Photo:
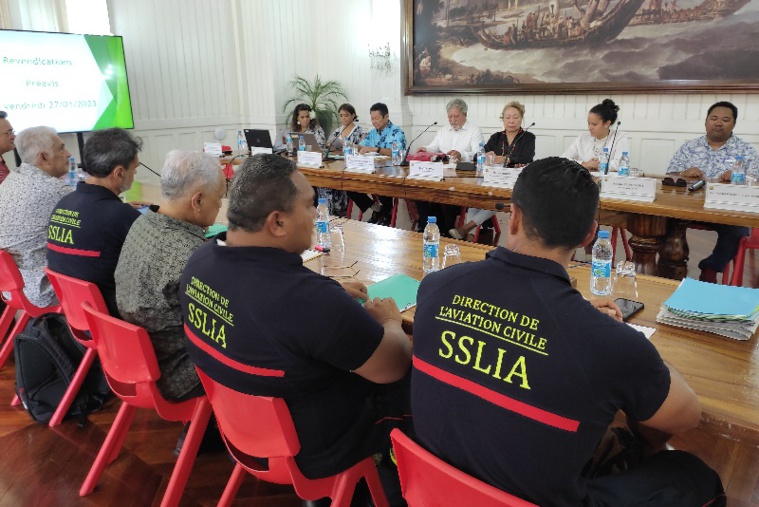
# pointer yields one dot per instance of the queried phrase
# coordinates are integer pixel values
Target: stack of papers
(719, 309)
(400, 287)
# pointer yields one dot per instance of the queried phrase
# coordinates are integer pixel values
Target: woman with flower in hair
(304, 121)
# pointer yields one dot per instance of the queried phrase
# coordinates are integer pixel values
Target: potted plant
(320, 95)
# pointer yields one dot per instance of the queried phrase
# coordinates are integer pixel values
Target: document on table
(401, 288)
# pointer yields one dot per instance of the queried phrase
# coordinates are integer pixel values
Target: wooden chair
(12, 282)
(131, 368)
(261, 427)
(426, 480)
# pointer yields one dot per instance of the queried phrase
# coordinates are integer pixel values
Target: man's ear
(515, 222)
(275, 224)
(591, 235)
(196, 201)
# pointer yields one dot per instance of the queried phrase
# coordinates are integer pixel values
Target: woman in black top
(513, 147)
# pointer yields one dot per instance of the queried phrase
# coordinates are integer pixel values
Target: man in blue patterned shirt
(706, 157)
(379, 140)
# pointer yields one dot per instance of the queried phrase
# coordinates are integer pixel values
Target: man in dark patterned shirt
(153, 256)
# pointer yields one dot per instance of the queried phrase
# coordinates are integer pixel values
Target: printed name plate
(432, 171)
(499, 176)
(255, 150)
(359, 164)
(213, 149)
(732, 197)
(310, 158)
(628, 188)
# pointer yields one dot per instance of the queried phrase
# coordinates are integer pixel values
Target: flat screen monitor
(73, 83)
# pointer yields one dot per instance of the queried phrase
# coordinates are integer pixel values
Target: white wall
(195, 65)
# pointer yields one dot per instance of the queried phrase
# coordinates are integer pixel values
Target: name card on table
(433, 171)
(359, 164)
(255, 150)
(732, 197)
(498, 176)
(310, 158)
(213, 149)
(628, 189)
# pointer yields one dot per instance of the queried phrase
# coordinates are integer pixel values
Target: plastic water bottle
(480, 158)
(624, 165)
(347, 148)
(73, 178)
(290, 151)
(738, 176)
(431, 252)
(301, 143)
(603, 162)
(242, 144)
(323, 238)
(600, 271)
(395, 154)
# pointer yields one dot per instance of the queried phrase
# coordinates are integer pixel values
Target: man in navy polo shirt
(516, 377)
(88, 227)
(260, 322)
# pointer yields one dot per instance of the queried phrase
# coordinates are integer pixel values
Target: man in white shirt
(460, 140)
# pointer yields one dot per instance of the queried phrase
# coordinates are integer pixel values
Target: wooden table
(724, 373)
(657, 228)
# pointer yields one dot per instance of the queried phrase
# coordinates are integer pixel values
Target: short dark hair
(263, 184)
(351, 110)
(726, 104)
(607, 110)
(379, 106)
(3, 115)
(312, 123)
(559, 201)
(109, 148)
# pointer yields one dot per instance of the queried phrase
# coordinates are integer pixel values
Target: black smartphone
(628, 307)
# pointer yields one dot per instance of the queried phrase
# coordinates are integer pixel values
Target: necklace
(597, 149)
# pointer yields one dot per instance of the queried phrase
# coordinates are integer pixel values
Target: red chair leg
(375, 487)
(614, 238)
(73, 389)
(342, 492)
(5, 321)
(394, 216)
(15, 401)
(626, 245)
(738, 264)
(5, 352)
(120, 426)
(462, 217)
(233, 486)
(186, 458)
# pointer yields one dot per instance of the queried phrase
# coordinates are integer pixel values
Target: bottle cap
(606, 149)
(739, 157)
(603, 234)
(431, 220)
(624, 153)
(322, 200)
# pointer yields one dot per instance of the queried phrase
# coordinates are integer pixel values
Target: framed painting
(580, 46)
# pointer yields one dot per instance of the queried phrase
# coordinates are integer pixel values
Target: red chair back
(256, 425)
(127, 356)
(11, 281)
(72, 292)
(428, 480)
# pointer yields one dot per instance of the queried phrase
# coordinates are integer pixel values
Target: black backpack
(47, 356)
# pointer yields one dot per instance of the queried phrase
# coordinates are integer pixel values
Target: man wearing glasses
(707, 157)
(7, 143)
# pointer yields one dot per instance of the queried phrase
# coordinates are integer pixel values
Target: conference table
(657, 228)
(723, 372)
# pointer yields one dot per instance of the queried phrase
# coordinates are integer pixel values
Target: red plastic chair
(72, 292)
(131, 368)
(262, 427)
(12, 282)
(427, 480)
(616, 232)
(747, 243)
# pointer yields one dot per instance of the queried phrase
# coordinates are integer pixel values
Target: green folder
(402, 288)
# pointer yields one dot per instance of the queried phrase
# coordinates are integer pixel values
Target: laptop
(258, 138)
(310, 141)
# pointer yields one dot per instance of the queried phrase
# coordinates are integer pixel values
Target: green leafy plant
(320, 95)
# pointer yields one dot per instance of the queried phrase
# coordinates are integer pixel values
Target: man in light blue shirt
(706, 157)
(379, 140)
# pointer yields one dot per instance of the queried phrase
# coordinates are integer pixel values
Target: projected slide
(73, 83)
